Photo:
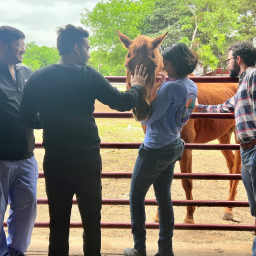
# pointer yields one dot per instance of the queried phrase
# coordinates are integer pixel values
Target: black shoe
(133, 252)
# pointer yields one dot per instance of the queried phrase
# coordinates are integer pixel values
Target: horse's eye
(155, 67)
(128, 55)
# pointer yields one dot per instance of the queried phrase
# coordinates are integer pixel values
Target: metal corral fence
(197, 176)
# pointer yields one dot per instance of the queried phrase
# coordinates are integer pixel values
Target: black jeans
(65, 177)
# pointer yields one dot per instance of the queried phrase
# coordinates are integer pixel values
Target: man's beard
(234, 72)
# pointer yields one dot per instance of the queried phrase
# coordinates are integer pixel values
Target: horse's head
(143, 50)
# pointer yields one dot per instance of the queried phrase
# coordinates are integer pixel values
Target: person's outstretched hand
(139, 76)
(196, 104)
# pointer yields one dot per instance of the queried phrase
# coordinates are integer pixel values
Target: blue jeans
(154, 166)
(18, 187)
(249, 179)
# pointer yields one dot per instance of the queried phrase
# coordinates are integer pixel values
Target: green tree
(247, 19)
(167, 15)
(206, 26)
(103, 22)
(215, 26)
(38, 57)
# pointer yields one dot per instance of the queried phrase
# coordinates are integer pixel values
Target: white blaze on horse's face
(143, 50)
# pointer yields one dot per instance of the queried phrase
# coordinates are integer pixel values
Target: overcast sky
(38, 19)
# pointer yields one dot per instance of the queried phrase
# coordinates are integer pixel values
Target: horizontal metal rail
(178, 226)
(197, 146)
(195, 115)
(199, 203)
(194, 176)
(196, 79)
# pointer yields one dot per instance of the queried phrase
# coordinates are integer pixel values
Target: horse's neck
(157, 84)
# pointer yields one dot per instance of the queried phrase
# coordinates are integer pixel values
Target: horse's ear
(124, 39)
(158, 40)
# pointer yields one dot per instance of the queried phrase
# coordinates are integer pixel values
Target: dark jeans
(249, 179)
(154, 166)
(65, 177)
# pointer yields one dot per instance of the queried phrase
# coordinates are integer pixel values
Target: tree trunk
(204, 70)
(194, 36)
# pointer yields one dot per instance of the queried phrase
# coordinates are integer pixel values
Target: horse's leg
(188, 134)
(233, 163)
(186, 167)
(156, 218)
(234, 183)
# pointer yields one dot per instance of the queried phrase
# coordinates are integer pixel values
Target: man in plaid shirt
(241, 62)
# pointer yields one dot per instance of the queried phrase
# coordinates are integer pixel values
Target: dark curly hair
(182, 58)
(9, 34)
(68, 36)
(246, 51)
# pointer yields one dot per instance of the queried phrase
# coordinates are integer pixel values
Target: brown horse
(144, 50)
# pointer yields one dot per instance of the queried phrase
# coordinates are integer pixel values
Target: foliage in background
(247, 19)
(206, 26)
(38, 57)
(168, 15)
(103, 21)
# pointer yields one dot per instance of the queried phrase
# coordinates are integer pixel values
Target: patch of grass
(120, 130)
(113, 130)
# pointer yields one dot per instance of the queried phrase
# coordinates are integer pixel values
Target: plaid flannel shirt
(243, 104)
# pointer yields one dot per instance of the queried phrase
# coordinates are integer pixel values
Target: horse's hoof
(229, 216)
(156, 219)
(189, 221)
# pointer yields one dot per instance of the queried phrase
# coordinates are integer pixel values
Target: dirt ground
(114, 241)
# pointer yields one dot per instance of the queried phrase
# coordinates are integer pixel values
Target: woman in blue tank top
(162, 147)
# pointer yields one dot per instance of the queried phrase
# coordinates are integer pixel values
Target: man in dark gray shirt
(64, 94)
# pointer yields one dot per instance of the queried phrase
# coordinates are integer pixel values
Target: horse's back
(213, 93)
(206, 130)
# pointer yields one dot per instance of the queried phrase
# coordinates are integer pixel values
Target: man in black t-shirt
(64, 94)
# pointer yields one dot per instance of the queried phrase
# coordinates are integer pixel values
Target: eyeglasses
(22, 46)
(228, 60)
